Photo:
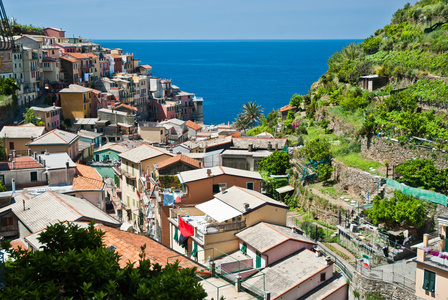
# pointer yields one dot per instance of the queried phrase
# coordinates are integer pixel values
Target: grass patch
(331, 191)
(355, 161)
(355, 119)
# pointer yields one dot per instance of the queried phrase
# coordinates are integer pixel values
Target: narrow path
(333, 201)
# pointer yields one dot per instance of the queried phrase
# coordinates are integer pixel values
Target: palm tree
(252, 113)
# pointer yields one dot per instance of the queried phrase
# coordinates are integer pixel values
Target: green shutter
(446, 245)
(176, 234)
(258, 260)
(432, 282)
(429, 281)
(194, 253)
(244, 248)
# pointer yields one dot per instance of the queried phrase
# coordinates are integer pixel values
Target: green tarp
(418, 193)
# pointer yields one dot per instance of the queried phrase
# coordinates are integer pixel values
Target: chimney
(13, 153)
(54, 104)
(13, 185)
(250, 147)
(246, 206)
(425, 240)
(10, 157)
(209, 172)
(13, 164)
(29, 152)
(328, 260)
(317, 252)
(24, 207)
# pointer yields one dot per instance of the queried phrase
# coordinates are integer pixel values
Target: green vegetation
(30, 116)
(8, 86)
(423, 173)
(354, 160)
(400, 210)
(18, 29)
(275, 164)
(75, 264)
(250, 116)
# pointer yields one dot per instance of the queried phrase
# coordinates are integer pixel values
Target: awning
(218, 210)
(284, 189)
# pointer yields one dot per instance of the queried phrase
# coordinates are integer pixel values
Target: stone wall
(380, 149)
(364, 285)
(362, 182)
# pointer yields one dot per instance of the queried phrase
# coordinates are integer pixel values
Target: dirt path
(337, 202)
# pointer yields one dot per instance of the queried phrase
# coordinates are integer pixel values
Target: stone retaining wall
(361, 182)
(380, 149)
(364, 285)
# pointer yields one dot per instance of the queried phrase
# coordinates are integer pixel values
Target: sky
(207, 19)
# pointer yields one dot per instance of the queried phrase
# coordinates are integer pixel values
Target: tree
(8, 86)
(251, 114)
(296, 100)
(75, 264)
(316, 150)
(30, 116)
(276, 163)
(400, 210)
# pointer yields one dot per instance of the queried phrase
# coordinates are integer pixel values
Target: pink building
(54, 32)
(49, 115)
(104, 67)
(68, 47)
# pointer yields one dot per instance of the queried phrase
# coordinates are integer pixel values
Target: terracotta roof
(15, 244)
(87, 179)
(96, 91)
(172, 160)
(69, 59)
(146, 66)
(127, 106)
(22, 162)
(193, 125)
(81, 55)
(287, 107)
(128, 247)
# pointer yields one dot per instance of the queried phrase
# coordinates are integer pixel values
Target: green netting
(418, 193)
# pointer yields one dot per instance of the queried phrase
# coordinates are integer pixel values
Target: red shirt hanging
(185, 229)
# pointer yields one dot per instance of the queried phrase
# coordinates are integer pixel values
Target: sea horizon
(229, 73)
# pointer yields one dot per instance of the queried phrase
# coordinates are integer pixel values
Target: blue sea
(228, 74)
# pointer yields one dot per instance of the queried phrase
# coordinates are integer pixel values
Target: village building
(15, 138)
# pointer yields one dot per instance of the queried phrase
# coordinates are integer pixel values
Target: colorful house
(56, 141)
(50, 115)
(76, 102)
(15, 138)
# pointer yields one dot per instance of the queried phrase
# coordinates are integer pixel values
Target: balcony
(129, 175)
(117, 168)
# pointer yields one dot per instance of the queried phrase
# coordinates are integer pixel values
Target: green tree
(8, 86)
(316, 150)
(30, 116)
(75, 264)
(400, 210)
(277, 163)
(251, 114)
(296, 100)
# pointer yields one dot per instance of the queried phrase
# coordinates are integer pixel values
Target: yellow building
(215, 222)
(76, 102)
(134, 163)
(431, 275)
(16, 137)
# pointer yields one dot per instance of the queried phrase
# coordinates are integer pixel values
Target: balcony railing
(216, 228)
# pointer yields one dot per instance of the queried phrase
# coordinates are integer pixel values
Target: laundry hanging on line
(185, 228)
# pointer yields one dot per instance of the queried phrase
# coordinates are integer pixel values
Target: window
(250, 186)
(258, 260)
(33, 176)
(127, 202)
(429, 281)
(215, 188)
(322, 276)
(11, 145)
(7, 221)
